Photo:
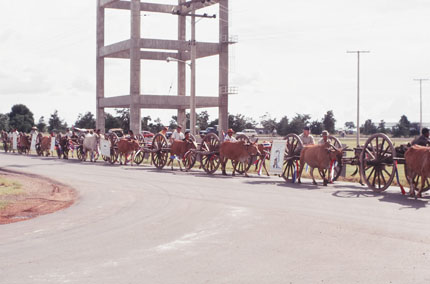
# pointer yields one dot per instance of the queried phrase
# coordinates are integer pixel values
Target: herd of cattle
(321, 157)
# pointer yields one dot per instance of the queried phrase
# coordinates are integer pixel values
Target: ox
(321, 157)
(178, 149)
(240, 151)
(417, 159)
(126, 147)
(62, 146)
(90, 144)
(43, 144)
(4, 137)
(264, 150)
(24, 143)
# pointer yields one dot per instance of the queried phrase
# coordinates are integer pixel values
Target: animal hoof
(314, 183)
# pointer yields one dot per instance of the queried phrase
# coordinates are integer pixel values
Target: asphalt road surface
(141, 225)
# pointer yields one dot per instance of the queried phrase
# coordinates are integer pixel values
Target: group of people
(308, 139)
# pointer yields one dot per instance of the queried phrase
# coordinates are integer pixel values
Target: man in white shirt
(324, 138)
(177, 134)
(306, 137)
(229, 136)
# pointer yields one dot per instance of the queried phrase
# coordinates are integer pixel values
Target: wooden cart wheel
(377, 162)
(210, 159)
(240, 167)
(291, 157)
(338, 168)
(417, 181)
(138, 158)
(161, 152)
(189, 159)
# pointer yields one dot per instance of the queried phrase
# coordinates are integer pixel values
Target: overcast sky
(291, 57)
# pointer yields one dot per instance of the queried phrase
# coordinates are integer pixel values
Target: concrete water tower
(182, 51)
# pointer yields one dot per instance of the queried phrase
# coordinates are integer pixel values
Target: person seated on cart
(306, 137)
(164, 130)
(131, 135)
(422, 140)
(177, 134)
(324, 138)
(229, 136)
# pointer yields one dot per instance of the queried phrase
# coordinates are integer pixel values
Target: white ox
(90, 144)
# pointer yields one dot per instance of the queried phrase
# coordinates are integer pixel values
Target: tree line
(21, 118)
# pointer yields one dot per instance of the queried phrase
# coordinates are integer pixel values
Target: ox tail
(397, 177)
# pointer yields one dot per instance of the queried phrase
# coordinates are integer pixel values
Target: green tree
(56, 123)
(349, 125)
(21, 118)
(283, 126)
(123, 115)
(402, 128)
(4, 122)
(86, 121)
(268, 122)
(316, 127)
(145, 122)
(298, 123)
(156, 126)
(41, 125)
(329, 122)
(213, 123)
(369, 127)
(112, 122)
(381, 127)
(203, 120)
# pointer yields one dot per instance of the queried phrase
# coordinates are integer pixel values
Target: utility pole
(193, 73)
(358, 90)
(421, 102)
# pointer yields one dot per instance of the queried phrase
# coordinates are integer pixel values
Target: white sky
(291, 57)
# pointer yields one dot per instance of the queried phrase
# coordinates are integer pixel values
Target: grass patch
(8, 187)
(3, 204)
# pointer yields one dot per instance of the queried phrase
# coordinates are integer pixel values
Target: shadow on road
(405, 201)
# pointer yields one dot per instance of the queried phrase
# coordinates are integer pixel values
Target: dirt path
(32, 196)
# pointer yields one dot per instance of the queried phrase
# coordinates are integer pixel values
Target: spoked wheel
(161, 152)
(210, 159)
(189, 159)
(240, 167)
(377, 162)
(417, 182)
(338, 167)
(138, 157)
(291, 156)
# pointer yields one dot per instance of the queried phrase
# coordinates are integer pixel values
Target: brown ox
(264, 150)
(126, 147)
(320, 157)
(6, 141)
(24, 143)
(44, 142)
(417, 159)
(240, 151)
(178, 150)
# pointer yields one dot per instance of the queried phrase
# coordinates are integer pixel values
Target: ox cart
(206, 152)
(376, 161)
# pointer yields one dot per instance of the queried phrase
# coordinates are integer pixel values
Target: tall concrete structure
(181, 50)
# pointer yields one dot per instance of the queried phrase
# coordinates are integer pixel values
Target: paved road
(140, 225)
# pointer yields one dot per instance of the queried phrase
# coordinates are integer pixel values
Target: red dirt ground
(40, 196)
